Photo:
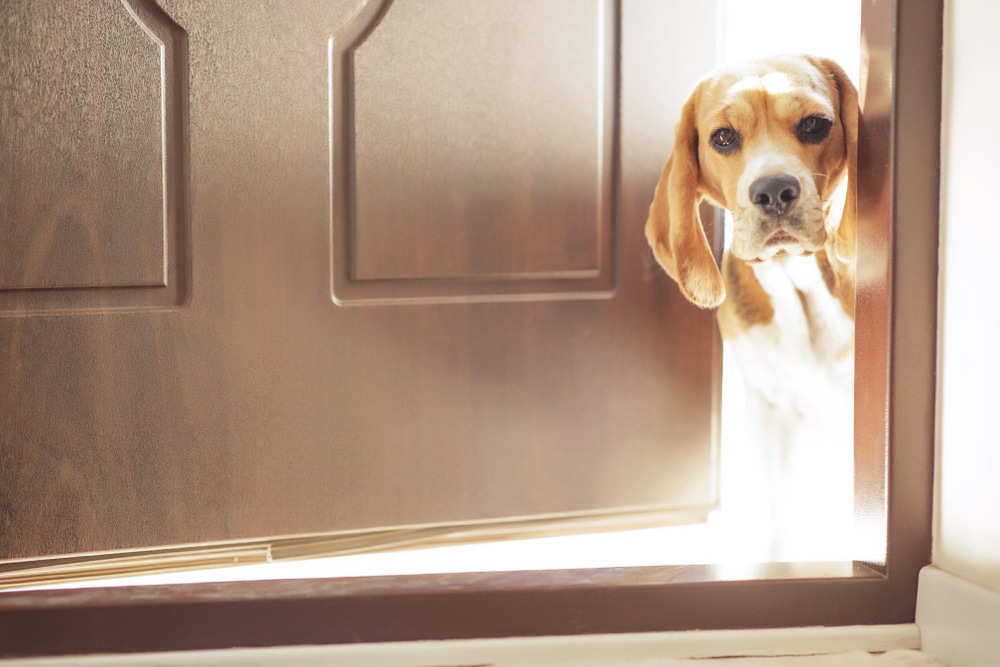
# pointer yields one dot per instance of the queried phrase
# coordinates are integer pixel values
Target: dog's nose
(774, 195)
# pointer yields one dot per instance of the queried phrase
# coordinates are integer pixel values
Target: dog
(774, 142)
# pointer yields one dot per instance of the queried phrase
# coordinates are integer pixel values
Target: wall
(967, 530)
(958, 603)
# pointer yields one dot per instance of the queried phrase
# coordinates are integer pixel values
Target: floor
(850, 659)
(895, 658)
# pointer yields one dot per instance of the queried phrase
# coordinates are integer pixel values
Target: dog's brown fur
(764, 101)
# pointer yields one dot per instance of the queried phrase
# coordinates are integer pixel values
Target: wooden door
(285, 269)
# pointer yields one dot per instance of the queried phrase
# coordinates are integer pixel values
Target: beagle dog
(774, 142)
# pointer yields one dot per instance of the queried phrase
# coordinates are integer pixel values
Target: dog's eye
(813, 129)
(726, 140)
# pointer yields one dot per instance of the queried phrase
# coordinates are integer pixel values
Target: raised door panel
(91, 182)
(485, 165)
(260, 407)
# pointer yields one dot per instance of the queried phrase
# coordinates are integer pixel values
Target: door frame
(894, 434)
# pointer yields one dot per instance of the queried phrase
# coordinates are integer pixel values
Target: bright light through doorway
(733, 536)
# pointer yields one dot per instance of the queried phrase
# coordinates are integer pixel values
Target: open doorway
(734, 535)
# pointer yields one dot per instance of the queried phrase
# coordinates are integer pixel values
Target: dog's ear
(845, 239)
(674, 229)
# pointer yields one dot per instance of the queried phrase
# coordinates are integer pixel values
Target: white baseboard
(536, 650)
(959, 621)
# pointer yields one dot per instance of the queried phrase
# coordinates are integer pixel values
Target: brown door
(284, 269)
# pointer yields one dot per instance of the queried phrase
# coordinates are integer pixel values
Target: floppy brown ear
(674, 229)
(845, 239)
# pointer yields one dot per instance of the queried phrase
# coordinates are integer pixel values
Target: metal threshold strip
(32, 573)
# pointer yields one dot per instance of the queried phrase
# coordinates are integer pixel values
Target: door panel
(482, 169)
(470, 192)
(92, 170)
(479, 158)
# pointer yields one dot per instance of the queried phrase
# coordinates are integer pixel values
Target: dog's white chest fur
(798, 371)
(808, 343)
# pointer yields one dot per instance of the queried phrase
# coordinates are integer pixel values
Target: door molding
(894, 435)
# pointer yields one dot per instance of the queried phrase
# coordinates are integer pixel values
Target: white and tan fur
(774, 142)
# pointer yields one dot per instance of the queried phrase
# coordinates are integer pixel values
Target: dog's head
(771, 141)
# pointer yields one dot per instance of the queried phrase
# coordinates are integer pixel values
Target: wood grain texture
(82, 177)
(443, 165)
(92, 184)
(494, 136)
(260, 408)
